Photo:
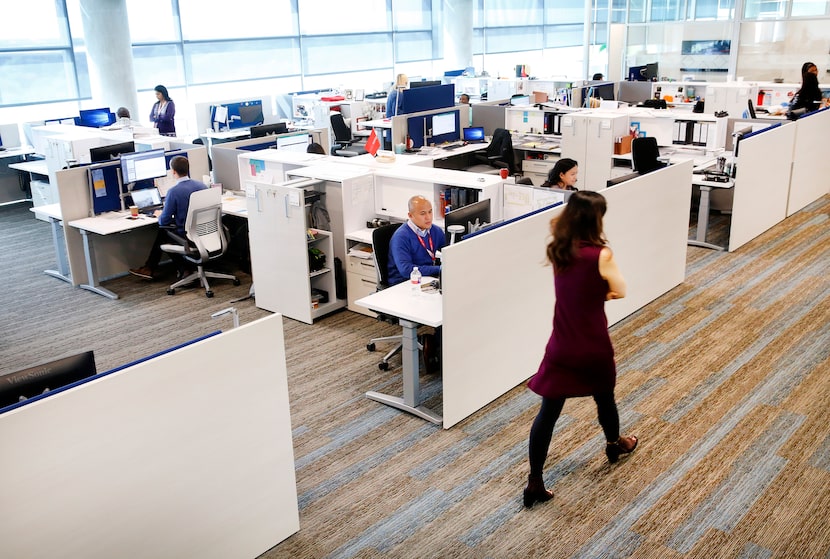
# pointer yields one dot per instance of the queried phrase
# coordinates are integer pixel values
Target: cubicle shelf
(319, 272)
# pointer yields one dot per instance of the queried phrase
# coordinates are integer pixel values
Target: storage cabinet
(361, 274)
(281, 239)
(589, 139)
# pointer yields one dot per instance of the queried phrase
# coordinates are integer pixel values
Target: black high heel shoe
(535, 491)
(623, 445)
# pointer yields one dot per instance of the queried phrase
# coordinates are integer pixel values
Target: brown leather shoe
(144, 272)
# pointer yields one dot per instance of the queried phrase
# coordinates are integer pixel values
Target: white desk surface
(235, 205)
(17, 152)
(377, 123)
(330, 170)
(398, 300)
(379, 162)
(48, 210)
(438, 152)
(699, 181)
(362, 235)
(227, 134)
(281, 156)
(37, 167)
(112, 222)
(441, 176)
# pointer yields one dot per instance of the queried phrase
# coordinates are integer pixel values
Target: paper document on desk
(361, 250)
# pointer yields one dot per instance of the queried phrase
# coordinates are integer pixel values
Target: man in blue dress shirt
(415, 243)
(176, 204)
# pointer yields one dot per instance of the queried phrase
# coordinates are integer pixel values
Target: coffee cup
(134, 211)
(503, 173)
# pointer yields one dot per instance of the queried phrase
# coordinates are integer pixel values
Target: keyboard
(452, 146)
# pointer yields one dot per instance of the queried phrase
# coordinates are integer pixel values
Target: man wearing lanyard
(415, 243)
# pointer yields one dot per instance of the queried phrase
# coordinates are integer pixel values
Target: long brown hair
(580, 222)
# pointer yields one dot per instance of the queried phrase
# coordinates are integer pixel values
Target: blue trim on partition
(762, 130)
(509, 221)
(257, 147)
(105, 373)
(811, 113)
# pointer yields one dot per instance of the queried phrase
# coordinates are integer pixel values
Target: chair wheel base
(236, 282)
(370, 347)
(171, 291)
(383, 366)
(209, 294)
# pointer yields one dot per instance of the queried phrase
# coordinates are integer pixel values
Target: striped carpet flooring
(724, 379)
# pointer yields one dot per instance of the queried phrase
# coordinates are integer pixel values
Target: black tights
(542, 430)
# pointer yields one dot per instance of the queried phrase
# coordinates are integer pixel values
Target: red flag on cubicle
(373, 144)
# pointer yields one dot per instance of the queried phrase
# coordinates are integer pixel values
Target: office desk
(110, 223)
(21, 151)
(113, 223)
(703, 210)
(411, 310)
(52, 212)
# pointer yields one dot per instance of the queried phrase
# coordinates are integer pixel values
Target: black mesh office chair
(343, 141)
(645, 154)
(498, 155)
(380, 252)
(751, 109)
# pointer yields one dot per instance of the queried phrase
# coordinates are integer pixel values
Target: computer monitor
(602, 90)
(518, 100)
(96, 118)
(34, 381)
(445, 127)
(472, 217)
(112, 151)
(268, 129)
(474, 134)
(250, 114)
(425, 83)
(294, 142)
(143, 165)
(644, 73)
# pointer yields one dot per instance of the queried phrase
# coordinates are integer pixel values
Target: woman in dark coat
(579, 357)
(164, 112)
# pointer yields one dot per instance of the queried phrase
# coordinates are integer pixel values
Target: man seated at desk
(415, 243)
(172, 217)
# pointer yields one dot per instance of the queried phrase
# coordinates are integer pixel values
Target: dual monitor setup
(118, 172)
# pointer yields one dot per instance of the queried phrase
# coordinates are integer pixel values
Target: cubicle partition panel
(137, 460)
(811, 167)
(762, 183)
(490, 115)
(498, 289)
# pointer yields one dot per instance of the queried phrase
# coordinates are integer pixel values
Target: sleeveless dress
(579, 357)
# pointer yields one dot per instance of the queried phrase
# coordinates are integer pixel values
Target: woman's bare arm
(611, 273)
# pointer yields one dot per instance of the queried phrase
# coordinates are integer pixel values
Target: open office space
(234, 426)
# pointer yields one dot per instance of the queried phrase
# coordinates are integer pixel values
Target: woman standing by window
(164, 112)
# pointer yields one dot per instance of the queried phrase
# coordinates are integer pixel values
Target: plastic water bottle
(415, 280)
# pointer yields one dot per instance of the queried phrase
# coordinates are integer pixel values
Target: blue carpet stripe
(771, 330)
(564, 465)
(418, 513)
(778, 291)
(491, 423)
(821, 457)
(751, 474)
(370, 462)
(753, 551)
(616, 536)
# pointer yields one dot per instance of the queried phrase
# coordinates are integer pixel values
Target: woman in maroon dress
(579, 357)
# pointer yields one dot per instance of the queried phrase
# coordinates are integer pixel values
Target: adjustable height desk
(52, 212)
(703, 211)
(412, 310)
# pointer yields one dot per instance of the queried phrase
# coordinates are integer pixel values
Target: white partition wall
(762, 183)
(811, 166)
(188, 454)
(498, 289)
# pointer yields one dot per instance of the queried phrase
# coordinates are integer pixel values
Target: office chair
(380, 252)
(343, 138)
(751, 108)
(206, 239)
(498, 155)
(645, 154)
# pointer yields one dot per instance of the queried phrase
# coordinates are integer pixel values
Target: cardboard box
(622, 145)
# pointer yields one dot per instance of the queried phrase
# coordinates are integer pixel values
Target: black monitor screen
(268, 129)
(112, 151)
(250, 113)
(142, 165)
(603, 91)
(472, 217)
(33, 381)
(425, 83)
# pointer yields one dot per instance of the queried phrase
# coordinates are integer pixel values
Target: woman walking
(579, 357)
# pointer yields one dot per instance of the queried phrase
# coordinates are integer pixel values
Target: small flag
(373, 144)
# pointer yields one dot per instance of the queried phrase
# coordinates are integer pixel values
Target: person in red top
(579, 357)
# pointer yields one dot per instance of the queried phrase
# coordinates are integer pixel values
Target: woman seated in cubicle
(808, 98)
(563, 175)
(164, 112)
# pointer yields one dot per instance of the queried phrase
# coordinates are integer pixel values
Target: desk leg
(91, 272)
(411, 383)
(703, 221)
(62, 273)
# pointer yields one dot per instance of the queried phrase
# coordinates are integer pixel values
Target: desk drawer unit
(361, 280)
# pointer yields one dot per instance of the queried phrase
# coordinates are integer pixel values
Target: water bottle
(415, 280)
